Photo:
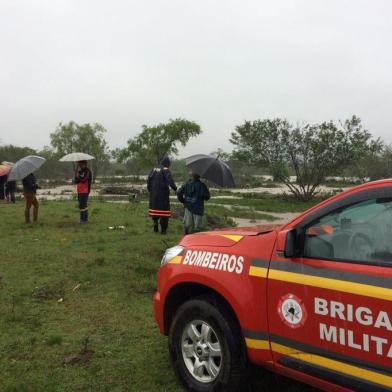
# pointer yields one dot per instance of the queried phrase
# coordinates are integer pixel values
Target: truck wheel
(206, 347)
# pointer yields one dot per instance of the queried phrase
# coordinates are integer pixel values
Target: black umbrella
(212, 169)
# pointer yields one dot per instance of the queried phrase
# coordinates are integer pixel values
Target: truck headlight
(171, 253)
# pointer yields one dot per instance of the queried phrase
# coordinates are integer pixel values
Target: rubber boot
(27, 216)
(164, 226)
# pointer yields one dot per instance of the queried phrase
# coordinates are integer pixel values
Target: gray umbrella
(212, 169)
(25, 166)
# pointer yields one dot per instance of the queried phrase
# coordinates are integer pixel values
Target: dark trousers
(10, 191)
(10, 195)
(83, 199)
(3, 180)
(163, 221)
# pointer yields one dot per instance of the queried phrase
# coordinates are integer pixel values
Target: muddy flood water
(67, 192)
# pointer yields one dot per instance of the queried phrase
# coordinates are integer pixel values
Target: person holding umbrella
(193, 194)
(29, 192)
(83, 179)
(159, 183)
(23, 170)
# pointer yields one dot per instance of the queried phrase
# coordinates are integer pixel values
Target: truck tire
(207, 348)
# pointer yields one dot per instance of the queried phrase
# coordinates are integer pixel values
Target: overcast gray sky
(128, 63)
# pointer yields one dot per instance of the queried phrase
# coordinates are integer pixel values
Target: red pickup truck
(311, 299)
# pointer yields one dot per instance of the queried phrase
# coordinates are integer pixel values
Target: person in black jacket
(193, 194)
(29, 191)
(159, 183)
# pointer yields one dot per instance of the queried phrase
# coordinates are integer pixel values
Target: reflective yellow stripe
(326, 363)
(258, 271)
(332, 364)
(176, 260)
(332, 284)
(233, 237)
(257, 344)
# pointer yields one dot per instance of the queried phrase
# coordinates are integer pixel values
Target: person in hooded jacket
(159, 183)
(83, 179)
(193, 194)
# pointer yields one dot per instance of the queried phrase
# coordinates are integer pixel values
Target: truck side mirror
(288, 243)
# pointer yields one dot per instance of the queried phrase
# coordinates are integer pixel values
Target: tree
(87, 138)
(262, 142)
(375, 166)
(52, 169)
(13, 153)
(152, 144)
(311, 152)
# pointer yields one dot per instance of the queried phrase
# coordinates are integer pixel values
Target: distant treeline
(310, 153)
(112, 169)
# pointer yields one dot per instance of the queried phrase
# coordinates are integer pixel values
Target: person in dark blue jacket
(159, 183)
(193, 194)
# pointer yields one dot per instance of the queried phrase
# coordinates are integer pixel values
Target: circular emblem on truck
(292, 311)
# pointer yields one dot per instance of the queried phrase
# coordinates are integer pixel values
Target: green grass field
(83, 293)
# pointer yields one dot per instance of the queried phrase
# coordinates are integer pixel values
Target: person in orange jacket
(83, 179)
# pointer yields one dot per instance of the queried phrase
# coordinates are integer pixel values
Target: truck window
(360, 232)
